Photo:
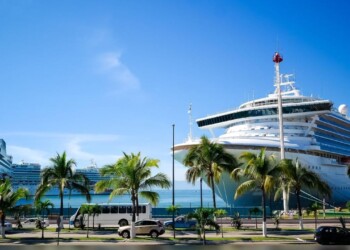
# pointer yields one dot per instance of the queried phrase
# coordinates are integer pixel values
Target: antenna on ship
(190, 122)
(277, 59)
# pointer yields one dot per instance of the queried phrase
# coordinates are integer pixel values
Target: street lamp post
(173, 203)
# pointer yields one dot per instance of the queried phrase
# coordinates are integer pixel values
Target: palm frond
(244, 187)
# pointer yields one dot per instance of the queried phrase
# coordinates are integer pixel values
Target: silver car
(153, 228)
(31, 222)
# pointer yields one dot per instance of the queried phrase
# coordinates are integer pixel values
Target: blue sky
(98, 78)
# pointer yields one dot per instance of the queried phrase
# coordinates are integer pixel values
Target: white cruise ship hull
(333, 173)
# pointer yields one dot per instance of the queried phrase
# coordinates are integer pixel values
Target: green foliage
(236, 221)
(314, 207)
(132, 175)
(220, 212)
(260, 172)
(9, 198)
(299, 178)
(61, 175)
(254, 210)
(175, 209)
(348, 205)
(204, 217)
(208, 159)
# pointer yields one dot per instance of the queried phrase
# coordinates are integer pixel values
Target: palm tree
(18, 211)
(173, 209)
(314, 207)
(255, 211)
(132, 175)
(298, 178)
(42, 206)
(221, 213)
(8, 199)
(204, 217)
(96, 210)
(89, 210)
(62, 175)
(259, 172)
(209, 159)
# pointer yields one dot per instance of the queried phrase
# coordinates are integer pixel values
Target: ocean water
(184, 198)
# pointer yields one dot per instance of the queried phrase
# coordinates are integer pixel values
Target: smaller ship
(27, 175)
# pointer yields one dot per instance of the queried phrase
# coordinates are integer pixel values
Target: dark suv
(152, 228)
(332, 235)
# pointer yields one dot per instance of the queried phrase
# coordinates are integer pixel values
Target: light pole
(173, 203)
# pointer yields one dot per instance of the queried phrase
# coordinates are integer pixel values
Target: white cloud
(73, 144)
(111, 64)
(28, 155)
(74, 148)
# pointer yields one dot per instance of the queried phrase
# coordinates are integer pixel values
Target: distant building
(5, 160)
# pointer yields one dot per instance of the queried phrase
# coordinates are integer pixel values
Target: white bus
(112, 214)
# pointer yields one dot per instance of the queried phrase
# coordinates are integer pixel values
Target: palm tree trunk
(285, 195)
(133, 199)
(264, 213)
(87, 233)
(42, 227)
(301, 226)
(137, 207)
(2, 225)
(61, 209)
(213, 190)
(203, 232)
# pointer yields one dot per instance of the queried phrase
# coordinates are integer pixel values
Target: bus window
(142, 209)
(105, 209)
(114, 209)
(122, 209)
(129, 209)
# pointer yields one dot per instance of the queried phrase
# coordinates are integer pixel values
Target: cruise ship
(314, 132)
(28, 175)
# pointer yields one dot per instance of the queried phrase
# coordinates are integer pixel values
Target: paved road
(110, 238)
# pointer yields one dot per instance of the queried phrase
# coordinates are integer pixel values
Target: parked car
(8, 226)
(332, 235)
(180, 222)
(153, 228)
(31, 222)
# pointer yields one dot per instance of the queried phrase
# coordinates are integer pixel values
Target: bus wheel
(123, 223)
(125, 234)
(76, 224)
